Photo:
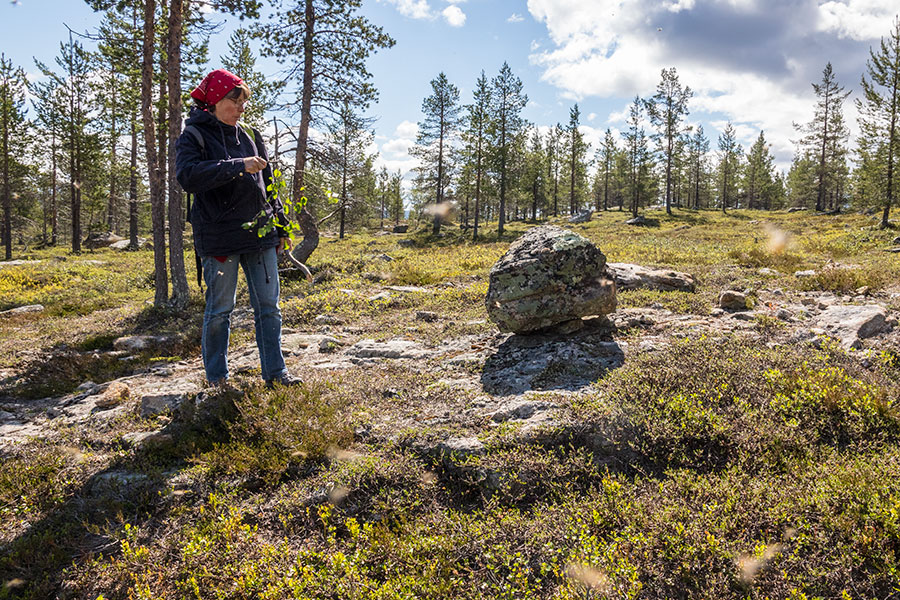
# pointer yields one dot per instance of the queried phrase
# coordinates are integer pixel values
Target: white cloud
(748, 61)
(857, 19)
(406, 129)
(515, 18)
(414, 9)
(454, 16)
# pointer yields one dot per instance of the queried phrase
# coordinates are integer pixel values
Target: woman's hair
(239, 92)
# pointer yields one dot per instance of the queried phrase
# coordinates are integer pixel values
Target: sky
(751, 62)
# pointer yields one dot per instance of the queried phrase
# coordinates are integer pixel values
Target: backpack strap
(195, 133)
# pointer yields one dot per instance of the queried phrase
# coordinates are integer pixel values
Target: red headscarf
(215, 86)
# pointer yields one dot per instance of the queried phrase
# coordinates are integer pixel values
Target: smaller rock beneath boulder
(732, 300)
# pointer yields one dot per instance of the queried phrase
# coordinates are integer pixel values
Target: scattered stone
(767, 272)
(328, 344)
(328, 320)
(802, 274)
(166, 397)
(794, 209)
(101, 240)
(862, 291)
(6, 416)
(732, 300)
(850, 323)
(381, 296)
(117, 482)
(395, 349)
(716, 312)
(894, 250)
(400, 229)
(87, 388)
(897, 240)
(212, 408)
(630, 277)
(146, 439)
(427, 316)
(778, 292)
(375, 277)
(629, 320)
(142, 343)
(548, 276)
(122, 245)
(19, 310)
(409, 289)
(384, 257)
(406, 243)
(520, 409)
(784, 314)
(638, 220)
(16, 263)
(461, 446)
(583, 217)
(744, 316)
(115, 394)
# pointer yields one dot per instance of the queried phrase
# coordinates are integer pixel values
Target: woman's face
(229, 111)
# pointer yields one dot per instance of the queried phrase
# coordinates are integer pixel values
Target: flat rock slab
(395, 349)
(631, 277)
(550, 362)
(142, 343)
(19, 310)
(851, 323)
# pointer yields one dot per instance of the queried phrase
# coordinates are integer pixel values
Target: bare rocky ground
(501, 378)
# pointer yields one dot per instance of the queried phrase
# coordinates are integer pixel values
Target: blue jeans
(261, 271)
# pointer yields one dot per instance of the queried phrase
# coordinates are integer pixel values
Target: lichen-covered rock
(549, 276)
(631, 277)
(732, 300)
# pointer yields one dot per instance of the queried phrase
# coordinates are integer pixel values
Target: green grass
(727, 467)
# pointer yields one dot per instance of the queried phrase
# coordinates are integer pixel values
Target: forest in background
(87, 148)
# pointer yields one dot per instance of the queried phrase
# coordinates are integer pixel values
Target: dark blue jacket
(225, 196)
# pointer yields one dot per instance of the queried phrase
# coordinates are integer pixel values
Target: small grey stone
(384, 257)
(767, 271)
(462, 446)
(427, 316)
(30, 308)
(784, 314)
(802, 274)
(519, 409)
(327, 320)
(732, 300)
(716, 312)
(583, 217)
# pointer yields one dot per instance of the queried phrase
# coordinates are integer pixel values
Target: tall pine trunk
(180, 293)
(157, 200)
(132, 188)
(306, 221)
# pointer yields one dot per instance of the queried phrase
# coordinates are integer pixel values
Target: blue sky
(749, 61)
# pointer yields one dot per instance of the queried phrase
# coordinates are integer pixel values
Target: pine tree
(825, 136)
(507, 102)
(606, 159)
(667, 109)
(348, 138)
(729, 157)
(14, 140)
(576, 150)
(326, 44)
(534, 178)
(879, 120)
(434, 143)
(698, 147)
(759, 175)
(477, 122)
(639, 163)
(241, 61)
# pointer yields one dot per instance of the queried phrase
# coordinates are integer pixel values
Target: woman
(227, 170)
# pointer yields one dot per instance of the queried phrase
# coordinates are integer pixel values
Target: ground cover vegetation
(721, 466)
(718, 465)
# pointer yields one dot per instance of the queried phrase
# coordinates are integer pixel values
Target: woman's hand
(285, 244)
(254, 164)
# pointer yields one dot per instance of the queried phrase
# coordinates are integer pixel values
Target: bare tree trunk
(132, 188)
(157, 201)
(111, 203)
(54, 211)
(892, 139)
(7, 200)
(306, 221)
(180, 293)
